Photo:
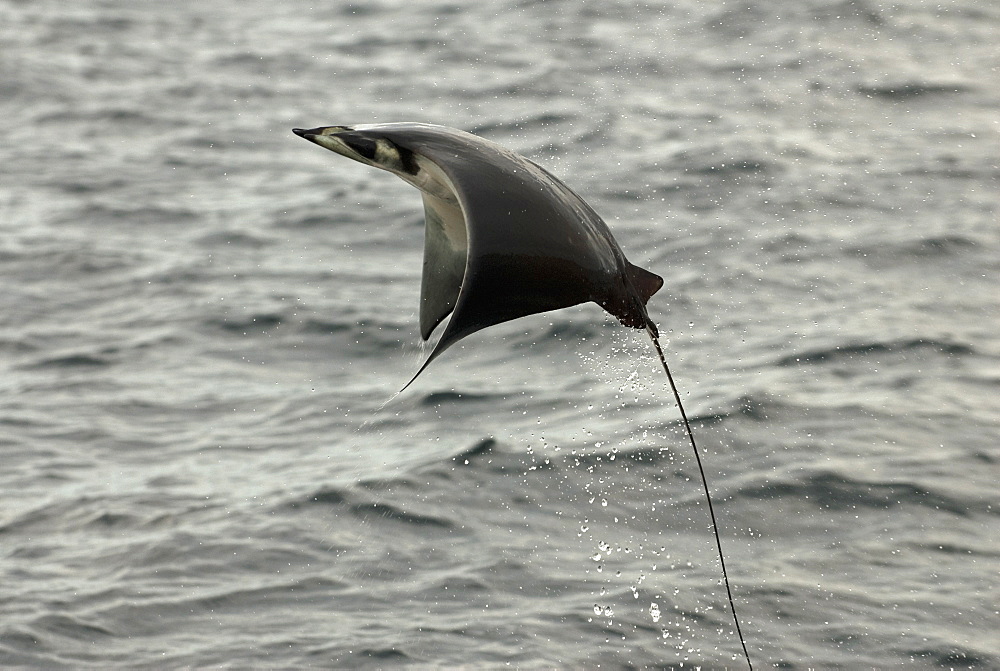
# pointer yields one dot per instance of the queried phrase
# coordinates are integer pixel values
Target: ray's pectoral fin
(445, 253)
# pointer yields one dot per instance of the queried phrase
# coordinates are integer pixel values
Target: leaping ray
(504, 238)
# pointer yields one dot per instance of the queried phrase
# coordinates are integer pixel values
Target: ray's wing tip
(417, 374)
(447, 339)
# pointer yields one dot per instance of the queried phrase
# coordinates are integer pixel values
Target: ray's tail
(704, 481)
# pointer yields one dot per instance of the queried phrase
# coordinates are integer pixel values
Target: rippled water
(203, 315)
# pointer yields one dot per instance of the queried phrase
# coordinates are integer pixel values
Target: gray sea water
(202, 316)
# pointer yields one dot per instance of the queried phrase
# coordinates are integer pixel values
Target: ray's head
(364, 146)
(395, 147)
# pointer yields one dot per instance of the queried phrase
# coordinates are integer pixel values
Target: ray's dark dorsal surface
(504, 238)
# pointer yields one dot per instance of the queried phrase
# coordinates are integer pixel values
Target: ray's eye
(363, 145)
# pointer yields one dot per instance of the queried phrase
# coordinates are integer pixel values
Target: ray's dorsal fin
(645, 282)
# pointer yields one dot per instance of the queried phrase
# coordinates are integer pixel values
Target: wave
(326, 496)
(70, 627)
(139, 118)
(646, 456)
(385, 511)
(720, 161)
(370, 510)
(258, 323)
(757, 407)
(952, 549)
(950, 657)
(834, 491)
(906, 90)
(941, 245)
(382, 655)
(377, 334)
(510, 126)
(437, 398)
(133, 215)
(324, 326)
(481, 448)
(234, 239)
(71, 360)
(838, 352)
(563, 328)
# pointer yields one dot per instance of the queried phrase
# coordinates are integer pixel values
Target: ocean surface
(204, 322)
